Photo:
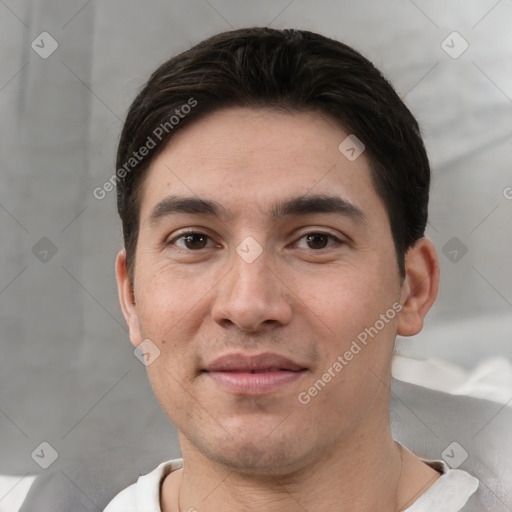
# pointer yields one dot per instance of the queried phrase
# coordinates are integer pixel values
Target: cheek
(172, 305)
(345, 308)
(164, 298)
(166, 311)
(346, 298)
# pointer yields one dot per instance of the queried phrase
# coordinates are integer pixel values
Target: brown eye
(191, 241)
(195, 241)
(317, 241)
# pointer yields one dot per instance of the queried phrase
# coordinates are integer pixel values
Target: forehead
(248, 159)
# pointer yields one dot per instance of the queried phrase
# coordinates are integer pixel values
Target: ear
(127, 299)
(420, 286)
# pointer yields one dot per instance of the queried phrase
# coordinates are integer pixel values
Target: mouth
(253, 374)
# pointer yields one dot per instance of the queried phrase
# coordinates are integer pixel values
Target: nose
(252, 296)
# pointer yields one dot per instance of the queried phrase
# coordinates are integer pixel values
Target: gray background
(68, 375)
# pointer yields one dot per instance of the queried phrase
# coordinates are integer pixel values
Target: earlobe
(127, 298)
(420, 287)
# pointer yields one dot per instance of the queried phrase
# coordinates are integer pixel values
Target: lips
(261, 374)
(262, 363)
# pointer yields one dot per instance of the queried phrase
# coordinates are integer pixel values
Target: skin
(299, 299)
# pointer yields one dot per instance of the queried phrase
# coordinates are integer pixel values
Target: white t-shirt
(449, 493)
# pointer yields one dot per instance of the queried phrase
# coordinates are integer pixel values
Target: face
(267, 283)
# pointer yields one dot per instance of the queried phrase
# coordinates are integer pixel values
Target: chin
(259, 455)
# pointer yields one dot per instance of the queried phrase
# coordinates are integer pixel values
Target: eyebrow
(295, 206)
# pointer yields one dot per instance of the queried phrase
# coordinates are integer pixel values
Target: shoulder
(145, 491)
(125, 501)
(453, 489)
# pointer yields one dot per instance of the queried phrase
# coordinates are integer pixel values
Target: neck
(368, 469)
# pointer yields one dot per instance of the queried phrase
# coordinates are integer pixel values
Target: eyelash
(188, 233)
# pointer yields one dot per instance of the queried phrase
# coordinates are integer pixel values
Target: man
(273, 190)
